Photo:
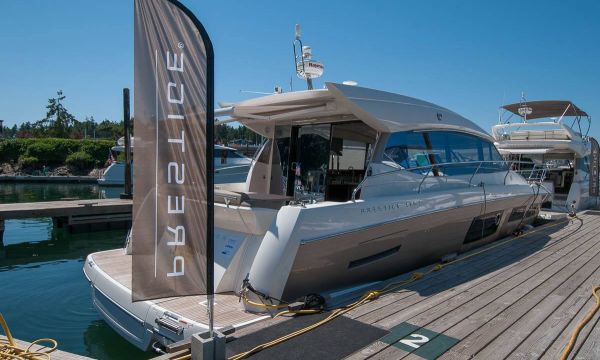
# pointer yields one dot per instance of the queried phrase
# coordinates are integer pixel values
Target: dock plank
(534, 332)
(539, 304)
(562, 340)
(476, 312)
(570, 254)
(588, 347)
(64, 208)
(55, 355)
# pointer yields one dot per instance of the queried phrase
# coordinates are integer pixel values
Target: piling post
(1, 231)
(126, 120)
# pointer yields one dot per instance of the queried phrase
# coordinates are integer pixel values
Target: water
(43, 292)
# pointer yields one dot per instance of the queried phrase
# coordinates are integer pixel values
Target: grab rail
(509, 165)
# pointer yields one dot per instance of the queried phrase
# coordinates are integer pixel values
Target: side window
(456, 147)
(407, 149)
(418, 149)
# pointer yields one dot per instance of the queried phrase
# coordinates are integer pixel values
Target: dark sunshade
(547, 108)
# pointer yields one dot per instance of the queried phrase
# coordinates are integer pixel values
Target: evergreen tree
(58, 121)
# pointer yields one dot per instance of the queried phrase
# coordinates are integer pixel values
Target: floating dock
(50, 179)
(521, 300)
(55, 355)
(76, 214)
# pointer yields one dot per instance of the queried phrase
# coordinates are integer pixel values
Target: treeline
(225, 134)
(87, 129)
(34, 154)
(60, 123)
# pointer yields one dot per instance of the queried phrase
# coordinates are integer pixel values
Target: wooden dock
(49, 179)
(76, 214)
(520, 300)
(55, 355)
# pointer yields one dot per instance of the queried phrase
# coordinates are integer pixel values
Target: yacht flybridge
(353, 185)
(553, 135)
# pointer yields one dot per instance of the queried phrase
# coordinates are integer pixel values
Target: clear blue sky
(468, 56)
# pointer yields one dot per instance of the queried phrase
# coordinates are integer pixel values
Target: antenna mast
(306, 68)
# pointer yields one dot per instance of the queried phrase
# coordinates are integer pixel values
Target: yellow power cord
(581, 324)
(10, 350)
(373, 294)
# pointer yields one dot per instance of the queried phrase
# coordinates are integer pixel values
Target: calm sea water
(43, 292)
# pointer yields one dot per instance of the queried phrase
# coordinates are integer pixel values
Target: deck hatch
(375, 257)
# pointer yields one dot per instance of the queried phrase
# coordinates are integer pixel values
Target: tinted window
(407, 149)
(417, 149)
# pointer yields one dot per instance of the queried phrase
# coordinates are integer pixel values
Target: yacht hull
(395, 247)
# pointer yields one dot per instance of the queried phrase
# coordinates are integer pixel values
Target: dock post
(126, 120)
(1, 231)
(205, 347)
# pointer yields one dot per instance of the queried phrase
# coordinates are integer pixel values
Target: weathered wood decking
(55, 355)
(520, 300)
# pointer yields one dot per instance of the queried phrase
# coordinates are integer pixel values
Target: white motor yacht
(549, 140)
(353, 186)
(231, 166)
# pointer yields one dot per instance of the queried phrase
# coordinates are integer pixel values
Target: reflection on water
(43, 292)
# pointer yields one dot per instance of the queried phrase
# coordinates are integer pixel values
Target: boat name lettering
(390, 207)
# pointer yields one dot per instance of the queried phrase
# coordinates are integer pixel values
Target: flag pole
(210, 119)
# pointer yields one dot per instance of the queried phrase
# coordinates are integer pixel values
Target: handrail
(475, 173)
(442, 165)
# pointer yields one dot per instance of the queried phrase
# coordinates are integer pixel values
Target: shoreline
(49, 178)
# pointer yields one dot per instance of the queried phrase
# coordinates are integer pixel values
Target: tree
(58, 121)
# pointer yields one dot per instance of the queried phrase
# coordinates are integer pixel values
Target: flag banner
(594, 167)
(173, 185)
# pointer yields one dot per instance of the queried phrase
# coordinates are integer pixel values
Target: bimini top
(546, 109)
(383, 111)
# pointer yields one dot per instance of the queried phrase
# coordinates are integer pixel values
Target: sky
(469, 56)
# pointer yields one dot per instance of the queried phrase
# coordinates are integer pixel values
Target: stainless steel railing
(535, 174)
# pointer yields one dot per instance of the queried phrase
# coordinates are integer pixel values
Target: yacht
(352, 186)
(231, 165)
(549, 140)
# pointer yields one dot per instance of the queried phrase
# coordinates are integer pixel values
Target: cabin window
(415, 149)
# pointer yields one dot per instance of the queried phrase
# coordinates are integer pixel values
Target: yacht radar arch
(306, 67)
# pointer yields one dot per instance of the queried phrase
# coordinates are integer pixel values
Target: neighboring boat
(552, 137)
(353, 186)
(231, 166)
